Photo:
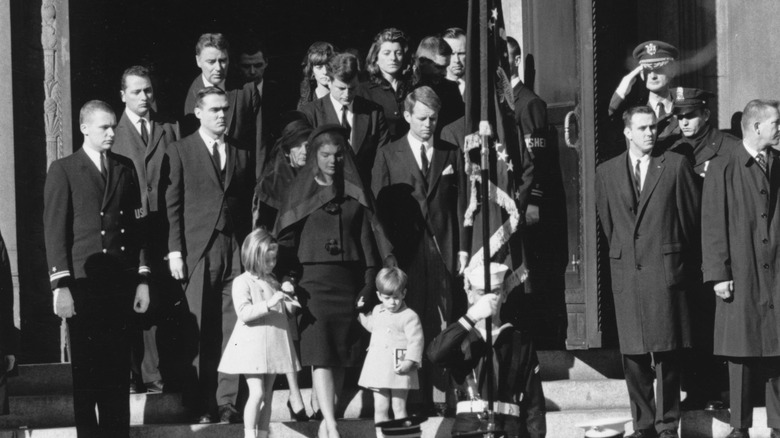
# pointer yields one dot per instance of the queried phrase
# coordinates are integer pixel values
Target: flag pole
(485, 134)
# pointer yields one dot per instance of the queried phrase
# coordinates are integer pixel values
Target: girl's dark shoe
(297, 416)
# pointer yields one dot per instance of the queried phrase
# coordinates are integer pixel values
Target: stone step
(50, 379)
(694, 424)
(57, 410)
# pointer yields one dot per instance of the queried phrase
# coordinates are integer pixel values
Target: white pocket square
(448, 170)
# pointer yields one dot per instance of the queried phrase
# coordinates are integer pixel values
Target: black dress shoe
(668, 433)
(714, 405)
(154, 387)
(228, 414)
(137, 388)
(316, 415)
(298, 416)
(739, 433)
(775, 433)
(643, 433)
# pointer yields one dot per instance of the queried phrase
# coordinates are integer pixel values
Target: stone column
(7, 171)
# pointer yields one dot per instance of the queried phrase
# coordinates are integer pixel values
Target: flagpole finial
(485, 129)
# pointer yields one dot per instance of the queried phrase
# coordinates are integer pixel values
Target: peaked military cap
(654, 54)
(408, 427)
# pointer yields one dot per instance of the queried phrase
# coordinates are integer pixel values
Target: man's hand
(532, 214)
(627, 82)
(63, 303)
(484, 307)
(463, 261)
(141, 301)
(178, 268)
(724, 289)
(10, 360)
(404, 367)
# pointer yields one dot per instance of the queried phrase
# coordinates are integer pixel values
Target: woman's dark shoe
(316, 416)
(297, 416)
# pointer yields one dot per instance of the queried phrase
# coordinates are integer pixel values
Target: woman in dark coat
(388, 64)
(326, 230)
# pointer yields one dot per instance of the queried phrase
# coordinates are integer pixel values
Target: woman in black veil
(330, 240)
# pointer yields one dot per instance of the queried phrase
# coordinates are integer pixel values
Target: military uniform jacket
(369, 128)
(704, 148)
(93, 228)
(148, 159)
(411, 208)
(198, 202)
(741, 242)
(653, 242)
(462, 350)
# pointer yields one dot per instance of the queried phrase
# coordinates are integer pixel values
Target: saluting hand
(484, 307)
(627, 82)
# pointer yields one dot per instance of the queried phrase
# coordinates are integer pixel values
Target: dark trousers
(100, 358)
(4, 408)
(659, 410)
(743, 372)
(429, 294)
(210, 301)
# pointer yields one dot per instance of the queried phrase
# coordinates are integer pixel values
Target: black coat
(741, 242)
(653, 243)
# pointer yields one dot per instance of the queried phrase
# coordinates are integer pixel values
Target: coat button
(149, 188)
(102, 232)
(638, 267)
(121, 212)
(764, 240)
(122, 231)
(122, 248)
(105, 250)
(763, 191)
(766, 265)
(101, 213)
(763, 215)
(771, 306)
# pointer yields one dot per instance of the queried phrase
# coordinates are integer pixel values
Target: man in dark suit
(648, 203)
(656, 69)
(419, 183)
(95, 246)
(209, 211)
(9, 335)
(456, 70)
(143, 136)
(545, 233)
(243, 116)
(363, 119)
(741, 246)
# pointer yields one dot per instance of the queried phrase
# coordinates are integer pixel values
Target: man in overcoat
(419, 183)
(143, 136)
(648, 204)
(741, 249)
(209, 212)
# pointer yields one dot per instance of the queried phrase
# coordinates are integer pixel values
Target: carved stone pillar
(55, 37)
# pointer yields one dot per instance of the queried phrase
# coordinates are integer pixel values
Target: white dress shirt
(414, 144)
(210, 145)
(135, 119)
(644, 163)
(94, 156)
(337, 106)
(207, 84)
(653, 102)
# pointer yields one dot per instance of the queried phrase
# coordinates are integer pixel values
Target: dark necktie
(144, 133)
(424, 160)
(215, 154)
(345, 122)
(638, 177)
(761, 161)
(103, 166)
(661, 110)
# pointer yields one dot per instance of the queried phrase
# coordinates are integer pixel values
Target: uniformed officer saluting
(97, 268)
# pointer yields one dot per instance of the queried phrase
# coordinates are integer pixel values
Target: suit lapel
(329, 112)
(231, 112)
(230, 162)
(359, 124)
(626, 187)
(438, 159)
(407, 161)
(112, 179)
(90, 172)
(654, 170)
(203, 155)
(156, 134)
(136, 146)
